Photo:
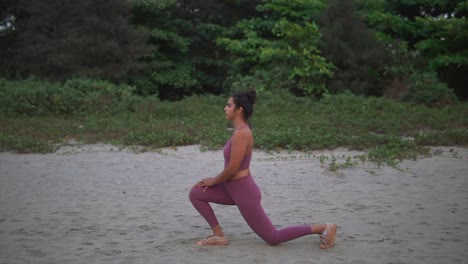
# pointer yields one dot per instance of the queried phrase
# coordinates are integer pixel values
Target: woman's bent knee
(194, 193)
(191, 194)
(270, 240)
(272, 243)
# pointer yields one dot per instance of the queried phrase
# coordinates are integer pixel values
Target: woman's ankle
(218, 231)
(318, 229)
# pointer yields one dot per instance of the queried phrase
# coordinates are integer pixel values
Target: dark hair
(246, 100)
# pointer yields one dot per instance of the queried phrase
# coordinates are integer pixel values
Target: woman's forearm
(225, 175)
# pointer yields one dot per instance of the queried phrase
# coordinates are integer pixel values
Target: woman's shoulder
(243, 132)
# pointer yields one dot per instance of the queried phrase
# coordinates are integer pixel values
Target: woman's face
(230, 109)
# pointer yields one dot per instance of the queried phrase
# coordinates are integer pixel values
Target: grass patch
(390, 131)
(25, 144)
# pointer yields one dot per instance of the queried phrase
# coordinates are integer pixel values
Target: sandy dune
(99, 204)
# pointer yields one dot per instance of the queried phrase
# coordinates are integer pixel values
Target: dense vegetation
(384, 76)
(176, 48)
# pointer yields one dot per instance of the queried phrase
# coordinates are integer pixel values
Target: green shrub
(425, 88)
(34, 97)
(103, 96)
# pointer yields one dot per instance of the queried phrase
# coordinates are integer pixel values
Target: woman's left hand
(207, 182)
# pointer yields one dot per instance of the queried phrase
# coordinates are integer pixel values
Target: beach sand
(101, 204)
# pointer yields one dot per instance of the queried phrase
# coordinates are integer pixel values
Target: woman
(235, 186)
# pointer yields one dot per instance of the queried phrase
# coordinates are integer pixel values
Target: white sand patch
(98, 204)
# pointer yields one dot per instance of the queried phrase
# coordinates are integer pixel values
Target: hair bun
(252, 95)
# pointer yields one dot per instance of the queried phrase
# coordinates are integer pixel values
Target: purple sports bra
(227, 157)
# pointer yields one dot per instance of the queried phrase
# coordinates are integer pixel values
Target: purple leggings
(246, 195)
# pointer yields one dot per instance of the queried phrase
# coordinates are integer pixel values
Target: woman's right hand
(207, 182)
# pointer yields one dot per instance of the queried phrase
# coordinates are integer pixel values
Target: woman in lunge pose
(235, 186)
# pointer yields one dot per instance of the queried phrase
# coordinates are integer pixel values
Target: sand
(101, 204)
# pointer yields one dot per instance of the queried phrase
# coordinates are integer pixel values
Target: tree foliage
(278, 49)
(435, 30)
(60, 39)
(353, 49)
(184, 32)
(307, 47)
(173, 71)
